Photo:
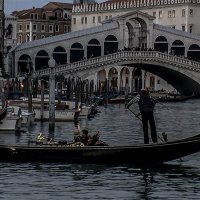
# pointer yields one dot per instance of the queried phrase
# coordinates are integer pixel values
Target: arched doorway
(194, 52)
(76, 52)
(137, 75)
(93, 48)
(136, 33)
(178, 48)
(60, 55)
(23, 63)
(113, 80)
(110, 44)
(41, 60)
(161, 44)
(125, 80)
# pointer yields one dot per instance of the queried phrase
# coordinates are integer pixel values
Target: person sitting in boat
(94, 139)
(146, 105)
(77, 134)
(85, 137)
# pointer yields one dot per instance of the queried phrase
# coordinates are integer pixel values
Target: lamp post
(52, 64)
(29, 84)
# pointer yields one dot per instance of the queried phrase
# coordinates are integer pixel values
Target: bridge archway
(181, 82)
(194, 52)
(136, 33)
(124, 79)
(178, 48)
(76, 52)
(22, 63)
(60, 55)
(161, 44)
(110, 44)
(113, 80)
(137, 78)
(101, 81)
(93, 48)
(41, 60)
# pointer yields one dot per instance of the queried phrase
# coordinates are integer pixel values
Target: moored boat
(60, 115)
(27, 118)
(145, 154)
(11, 123)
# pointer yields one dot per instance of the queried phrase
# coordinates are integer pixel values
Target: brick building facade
(36, 23)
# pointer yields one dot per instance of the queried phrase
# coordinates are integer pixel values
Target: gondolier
(146, 106)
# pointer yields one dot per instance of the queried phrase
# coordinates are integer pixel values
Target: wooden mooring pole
(52, 96)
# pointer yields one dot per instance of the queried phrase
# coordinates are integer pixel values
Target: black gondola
(145, 154)
(174, 98)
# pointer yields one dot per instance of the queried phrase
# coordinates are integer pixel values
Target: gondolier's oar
(163, 134)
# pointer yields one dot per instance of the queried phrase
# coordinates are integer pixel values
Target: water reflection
(180, 180)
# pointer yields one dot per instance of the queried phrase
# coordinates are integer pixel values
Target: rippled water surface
(53, 181)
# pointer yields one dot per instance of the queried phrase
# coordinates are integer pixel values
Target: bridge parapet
(123, 58)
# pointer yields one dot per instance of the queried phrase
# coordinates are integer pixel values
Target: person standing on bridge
(146, 105)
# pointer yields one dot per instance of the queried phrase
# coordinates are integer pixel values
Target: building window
(34, 27)
(20, 38)
(85, 20)
(183, 12)
(106, 17)
(57, 28)
(82, 20)
(99, 19)
(93, 20)
(36, 16)
(50, 28)
(154, 14)
(65, 16)
(191, 12)
(173, 13)
(160, 14)
(110, 17)
(190, 28)
(20, 28)
(34, 37)
(27, 27)
(42, 36)
(44, 16)
(43, 28)
(27, 38)
(183, 27)
(32, 16)
(74, 20)
(169, 13)
(65, 28)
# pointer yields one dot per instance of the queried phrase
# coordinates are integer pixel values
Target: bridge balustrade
(120, 56)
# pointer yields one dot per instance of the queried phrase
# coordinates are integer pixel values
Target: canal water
(52, 181)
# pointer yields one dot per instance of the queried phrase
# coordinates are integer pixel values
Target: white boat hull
(27, 119)
(10, 124)
(85, 111)
(60, 115)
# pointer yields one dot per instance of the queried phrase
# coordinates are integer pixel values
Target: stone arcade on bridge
(133, 31)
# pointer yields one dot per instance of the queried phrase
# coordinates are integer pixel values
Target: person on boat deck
(146, 105)
(85, 138)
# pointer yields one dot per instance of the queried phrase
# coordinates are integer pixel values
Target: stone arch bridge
(130, 41)
(181, 73)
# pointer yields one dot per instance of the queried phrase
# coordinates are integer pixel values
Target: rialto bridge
(116, 55)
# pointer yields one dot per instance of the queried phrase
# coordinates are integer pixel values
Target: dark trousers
(149, 117)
